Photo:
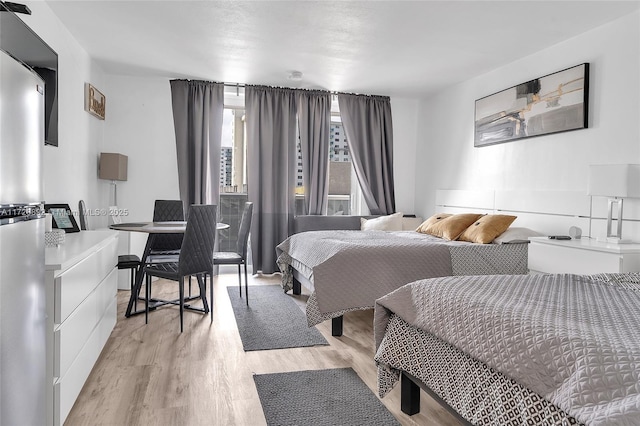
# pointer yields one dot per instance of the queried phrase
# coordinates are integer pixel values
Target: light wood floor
(153, 375)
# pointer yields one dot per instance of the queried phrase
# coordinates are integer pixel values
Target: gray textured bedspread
(572, 339)
(352, 269)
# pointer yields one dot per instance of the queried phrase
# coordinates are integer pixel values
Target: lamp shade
(113, 166)
(615, 180)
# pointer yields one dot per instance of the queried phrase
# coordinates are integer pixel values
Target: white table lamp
(616, 181)
(113, 167)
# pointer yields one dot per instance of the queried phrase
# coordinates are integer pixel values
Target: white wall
(405, 125)
(140, 126)
(70, 170)
(446, 158)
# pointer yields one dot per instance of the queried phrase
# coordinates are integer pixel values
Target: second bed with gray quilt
(349, 270)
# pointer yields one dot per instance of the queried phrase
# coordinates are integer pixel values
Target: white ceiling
(396, 48)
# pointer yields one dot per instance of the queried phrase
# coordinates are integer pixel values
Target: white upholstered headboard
(548, 212)
(462, 201)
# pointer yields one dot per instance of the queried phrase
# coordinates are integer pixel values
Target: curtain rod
(332, 92)
(239, 85)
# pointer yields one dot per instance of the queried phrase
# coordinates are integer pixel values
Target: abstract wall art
(554, 103)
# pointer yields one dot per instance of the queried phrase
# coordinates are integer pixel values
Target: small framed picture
(94, 101)
(62, 217)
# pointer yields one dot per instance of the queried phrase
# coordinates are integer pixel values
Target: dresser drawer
(67, 388)
(570, 260)
(108, 321)
(106, 292)
(75, 284)
(107, 259)
(71, 336)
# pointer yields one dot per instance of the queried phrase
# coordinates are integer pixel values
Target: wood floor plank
(150, 374)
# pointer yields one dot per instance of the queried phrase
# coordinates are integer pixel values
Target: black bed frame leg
(296, 287)
(409, 396)
(336, 326)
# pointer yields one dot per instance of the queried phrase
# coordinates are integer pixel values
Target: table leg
(202, 284)
(139, 277)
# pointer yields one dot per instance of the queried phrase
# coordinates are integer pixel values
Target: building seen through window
(233, 174)
(233, 156)
(340, 169)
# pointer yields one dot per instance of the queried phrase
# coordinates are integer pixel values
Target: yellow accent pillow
(487, 228)
(448, 226)
(431, 221)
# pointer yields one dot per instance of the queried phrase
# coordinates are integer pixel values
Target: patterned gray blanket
(354, 268)
(351, 269)
(574, 340)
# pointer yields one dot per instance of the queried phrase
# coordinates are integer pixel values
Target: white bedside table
(582, 256)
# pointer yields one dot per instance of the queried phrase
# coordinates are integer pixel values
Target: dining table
(153, 229)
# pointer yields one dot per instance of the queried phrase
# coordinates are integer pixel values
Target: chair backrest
(196, 254)
(82, 215)
(245, 227)
(168, 211)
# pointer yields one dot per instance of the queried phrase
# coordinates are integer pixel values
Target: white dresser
(582, 256)
(82, 281)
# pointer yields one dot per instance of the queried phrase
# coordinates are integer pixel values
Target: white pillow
(411, 223)
(516, 235)
(392, 222)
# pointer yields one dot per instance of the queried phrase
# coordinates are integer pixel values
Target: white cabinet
(582, 256)
(82, 281)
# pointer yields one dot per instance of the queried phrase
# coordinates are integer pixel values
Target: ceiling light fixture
(295, 76)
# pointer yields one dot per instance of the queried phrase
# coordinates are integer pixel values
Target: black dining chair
(239, 257)
(166, 244)
(195, 258)
(166, 247)
(131, 262)
(82, 215)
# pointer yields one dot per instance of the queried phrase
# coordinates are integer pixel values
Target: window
(340, 170)
(233, 174)
(233, 166)
(343, 189)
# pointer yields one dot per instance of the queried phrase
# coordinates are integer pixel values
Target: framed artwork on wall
(554, 103)
(94, 101)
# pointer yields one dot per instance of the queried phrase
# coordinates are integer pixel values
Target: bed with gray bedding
(348, 270)
(534, 349)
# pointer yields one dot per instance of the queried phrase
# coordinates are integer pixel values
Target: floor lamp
(113, 167)
(616, 181)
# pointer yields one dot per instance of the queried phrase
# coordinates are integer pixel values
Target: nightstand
(582, 256)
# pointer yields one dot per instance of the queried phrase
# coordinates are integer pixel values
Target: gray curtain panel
(198, 107)
(271, 150)
(314, 122)
(367, 124)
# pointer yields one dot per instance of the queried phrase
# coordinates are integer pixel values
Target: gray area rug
(272, 320)
(320, 397)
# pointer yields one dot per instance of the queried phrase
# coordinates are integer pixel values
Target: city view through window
(233, 168)
(233, 156)
(339, 201)
(233, 175)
